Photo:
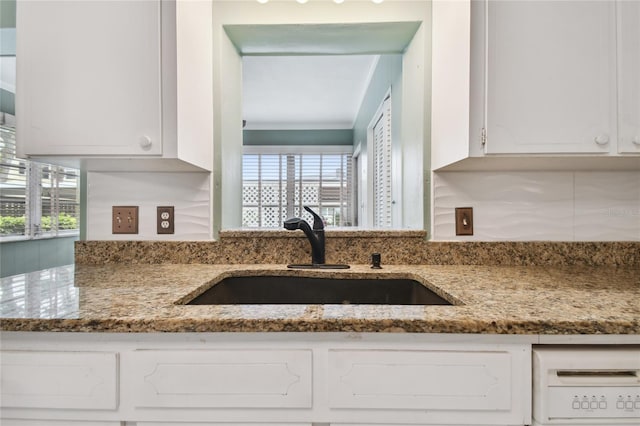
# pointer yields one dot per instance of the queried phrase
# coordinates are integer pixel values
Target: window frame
(286, 150)
(35, 172)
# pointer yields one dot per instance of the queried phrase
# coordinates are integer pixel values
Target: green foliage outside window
(15, 224)
(11, 225)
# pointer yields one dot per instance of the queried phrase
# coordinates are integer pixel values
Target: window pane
(13, 186)
(36, 199)
(277, 186)
(69, 201)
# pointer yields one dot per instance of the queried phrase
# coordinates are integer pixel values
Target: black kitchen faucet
(315, 236)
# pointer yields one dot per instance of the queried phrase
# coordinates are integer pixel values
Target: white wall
(194, 89)
(450, 62)
(555, 206)
(188, 192)
(227, 116)
(416, 107)
(414, 84)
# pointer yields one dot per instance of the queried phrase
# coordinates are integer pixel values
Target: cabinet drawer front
(82, 380)
(219, 424)
(439, 380)
(11, 422)
(223, 378)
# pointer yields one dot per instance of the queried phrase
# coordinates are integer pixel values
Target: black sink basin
(305, 290)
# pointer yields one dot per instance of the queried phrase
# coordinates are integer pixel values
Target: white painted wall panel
(540, 206)
(607, 206)
(506, 205)
(188, 192)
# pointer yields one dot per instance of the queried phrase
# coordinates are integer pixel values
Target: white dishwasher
(586, 385)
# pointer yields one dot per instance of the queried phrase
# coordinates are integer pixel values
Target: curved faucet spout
(315, 236)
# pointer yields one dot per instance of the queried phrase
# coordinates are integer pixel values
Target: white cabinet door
(59, 380)
(219, 424)
(435, 386)
(550, 77)
(423, 380)
(629, 77)
(89, 78)
(223, 378)
(15, 422)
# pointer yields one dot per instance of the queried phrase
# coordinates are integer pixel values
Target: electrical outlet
(124, 220)
(464, 220)
(165, 220)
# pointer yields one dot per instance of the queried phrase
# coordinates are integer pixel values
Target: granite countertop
(487, 299)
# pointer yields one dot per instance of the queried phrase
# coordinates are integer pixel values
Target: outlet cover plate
(124, 220)
(165, 220)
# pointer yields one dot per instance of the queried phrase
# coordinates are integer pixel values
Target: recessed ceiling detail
(304, 92)
(322, 39)
(311, 76)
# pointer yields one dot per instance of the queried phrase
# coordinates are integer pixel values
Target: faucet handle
(318, 223)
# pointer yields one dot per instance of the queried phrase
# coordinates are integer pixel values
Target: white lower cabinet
(263, 379)
(419, 380)
(13, 422)
(222, 379)
(58, 380)
(432, 385)
(220, 424)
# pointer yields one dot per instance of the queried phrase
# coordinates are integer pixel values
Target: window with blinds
(276, 186)
(36, 199)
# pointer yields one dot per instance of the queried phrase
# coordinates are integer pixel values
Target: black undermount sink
(289, 290)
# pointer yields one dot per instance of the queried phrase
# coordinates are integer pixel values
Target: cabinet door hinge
(483, 137)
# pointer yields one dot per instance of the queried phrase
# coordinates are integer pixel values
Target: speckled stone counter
(355, 247)
(486, 299)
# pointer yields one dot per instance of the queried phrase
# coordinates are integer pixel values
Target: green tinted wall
(18, 257)
(388, 74)
(297, 137)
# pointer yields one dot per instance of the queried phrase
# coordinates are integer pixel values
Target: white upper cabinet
(550, 77)
(98, 80)
(539, 85)
(90, 81)
(629, 76)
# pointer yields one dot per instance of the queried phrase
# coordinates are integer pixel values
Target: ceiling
(304, 92)
(311, 76)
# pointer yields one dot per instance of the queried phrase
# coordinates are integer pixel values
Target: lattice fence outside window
(277, 186)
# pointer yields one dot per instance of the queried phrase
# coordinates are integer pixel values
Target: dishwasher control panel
(593, 402)
(577, 384)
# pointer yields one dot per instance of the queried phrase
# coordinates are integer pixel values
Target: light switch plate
(464, 220)
(124, 220)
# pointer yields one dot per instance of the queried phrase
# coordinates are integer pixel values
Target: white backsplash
(517, 206)
(540, 206)
(189, 193)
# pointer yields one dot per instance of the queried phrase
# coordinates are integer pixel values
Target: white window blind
(382, 197)
(276, 186)
(13, 185)
(36, 199)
